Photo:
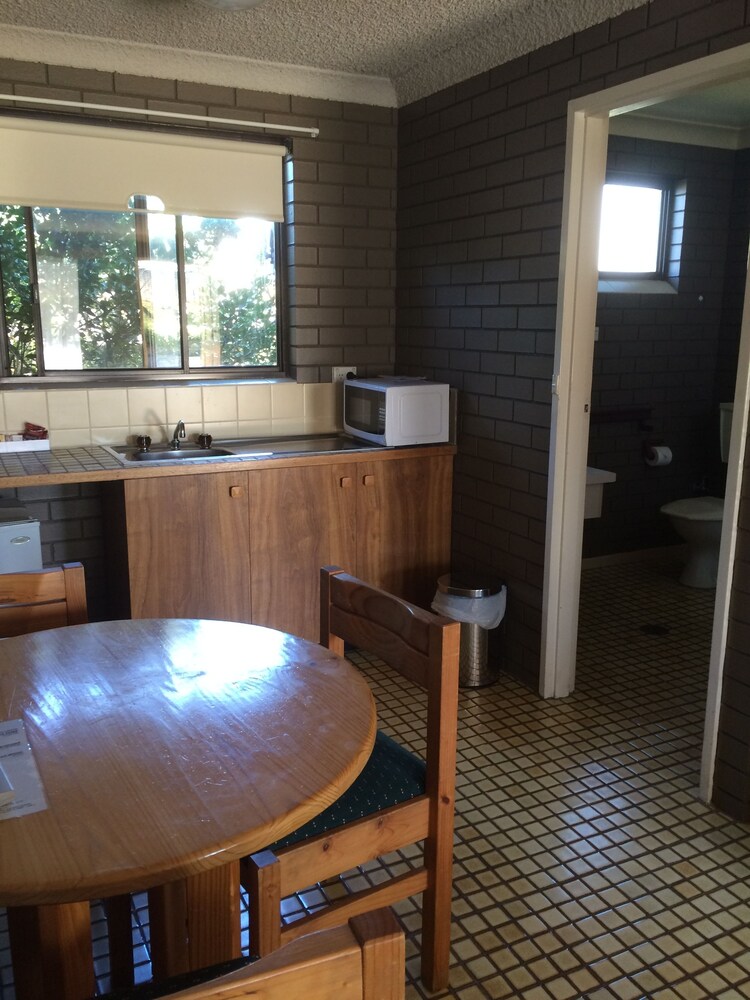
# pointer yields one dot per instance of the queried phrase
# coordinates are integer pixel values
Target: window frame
(129, 377)
(666, 186)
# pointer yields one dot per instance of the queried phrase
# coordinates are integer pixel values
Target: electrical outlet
(339, 373)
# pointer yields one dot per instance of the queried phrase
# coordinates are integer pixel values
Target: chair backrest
(49, 598)
(417, 644)
(364, 960)
(424, 648)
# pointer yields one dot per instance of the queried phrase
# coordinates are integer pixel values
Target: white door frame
(586, 155)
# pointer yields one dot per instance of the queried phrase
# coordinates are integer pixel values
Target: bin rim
(460, 585)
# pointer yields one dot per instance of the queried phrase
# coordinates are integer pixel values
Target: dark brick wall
(480, 207)
(342, 213)
(664, 353)
(72, 530)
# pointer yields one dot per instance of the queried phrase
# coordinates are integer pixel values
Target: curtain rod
(313, 132)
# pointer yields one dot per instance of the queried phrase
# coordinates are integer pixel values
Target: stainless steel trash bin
(474, 669)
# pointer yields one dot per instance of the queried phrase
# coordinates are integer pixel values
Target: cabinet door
(301, 518)
(188, 547)
(403, 525)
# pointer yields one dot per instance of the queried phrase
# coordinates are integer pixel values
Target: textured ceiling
(419, 46)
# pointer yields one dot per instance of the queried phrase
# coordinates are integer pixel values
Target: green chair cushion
(391, 775)
(165, 987)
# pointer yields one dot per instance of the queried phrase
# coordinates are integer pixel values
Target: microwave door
(365, 410)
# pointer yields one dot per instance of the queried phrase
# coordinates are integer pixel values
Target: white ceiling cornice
(140, 59)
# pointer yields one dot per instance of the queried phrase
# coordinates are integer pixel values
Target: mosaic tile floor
(585, 865)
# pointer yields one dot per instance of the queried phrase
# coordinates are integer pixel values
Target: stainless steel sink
(244, 448)
(177, 454)
(166, 454)
(306, 444)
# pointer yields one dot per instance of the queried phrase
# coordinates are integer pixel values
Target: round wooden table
(168, 750)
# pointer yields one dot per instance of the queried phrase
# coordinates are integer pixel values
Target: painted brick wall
(342, 211)
(480, 201)
(664, 353)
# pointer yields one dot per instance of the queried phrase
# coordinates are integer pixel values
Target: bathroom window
(633, 231)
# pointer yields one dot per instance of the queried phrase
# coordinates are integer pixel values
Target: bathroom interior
(664, 372)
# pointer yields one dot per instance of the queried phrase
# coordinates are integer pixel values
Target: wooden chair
(51, 598)
(396, 801)
(363, 960)
(38, 600)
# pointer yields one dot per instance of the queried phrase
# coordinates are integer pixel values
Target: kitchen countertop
(93, 463)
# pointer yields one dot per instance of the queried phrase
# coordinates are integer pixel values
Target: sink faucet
(179, 432)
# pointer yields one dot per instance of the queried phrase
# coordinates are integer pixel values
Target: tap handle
(143, 441)
(204, 440)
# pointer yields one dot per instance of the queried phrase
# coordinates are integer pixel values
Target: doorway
(588, 131)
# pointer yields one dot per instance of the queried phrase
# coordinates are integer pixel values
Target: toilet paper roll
(658, 454)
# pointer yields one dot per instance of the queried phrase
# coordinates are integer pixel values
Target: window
(633, 232)
(94, 279)
(90, 291)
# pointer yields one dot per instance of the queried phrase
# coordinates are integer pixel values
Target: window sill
(635, 286)
(52, 382)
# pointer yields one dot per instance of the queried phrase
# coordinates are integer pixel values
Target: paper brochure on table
(18, 763)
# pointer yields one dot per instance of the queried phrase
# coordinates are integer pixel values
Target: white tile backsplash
(68, 409)
(254, 402)
(322, 402)
(70, 438)
(110, 435)
(148, 407)
(287, 402)
(185, 403)
(108, 408)
(219, 405)
(255, 428)
(293, 425)
(112, 416)
(27, 405)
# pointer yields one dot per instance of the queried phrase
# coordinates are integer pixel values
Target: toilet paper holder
(655, 453)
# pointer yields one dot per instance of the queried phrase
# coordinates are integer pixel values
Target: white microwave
(395, 410)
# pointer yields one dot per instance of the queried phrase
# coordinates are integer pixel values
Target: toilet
(699, 520)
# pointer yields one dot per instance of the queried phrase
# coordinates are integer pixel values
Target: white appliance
(396, 410)
(20, 545)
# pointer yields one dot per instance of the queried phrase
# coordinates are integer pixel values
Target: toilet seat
(696, 508)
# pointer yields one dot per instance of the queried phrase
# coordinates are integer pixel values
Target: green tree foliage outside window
(132, 291)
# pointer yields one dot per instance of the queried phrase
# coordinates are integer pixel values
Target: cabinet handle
(236, 491)
(368, 480)
(345, 482)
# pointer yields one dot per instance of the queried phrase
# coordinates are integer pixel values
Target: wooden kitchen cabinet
(187, 543)
(386, 522)
(403, 525)
(301, 518)
(248, 546)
